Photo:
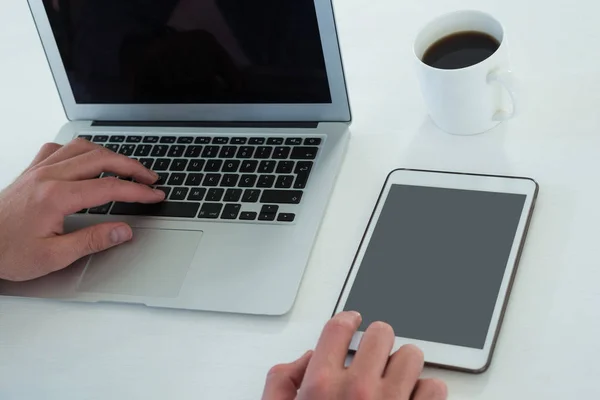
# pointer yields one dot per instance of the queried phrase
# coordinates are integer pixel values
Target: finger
(403, 370)
(46, 151)
(334, 342)
(374, 351)
(70, 150)
(75, 196)
(430, 389)
(283, 381)
(92, 163)
(67, 249)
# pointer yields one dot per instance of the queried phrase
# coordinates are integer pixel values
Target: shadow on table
(433, 149)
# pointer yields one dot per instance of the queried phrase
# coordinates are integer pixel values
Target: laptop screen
(191, 51)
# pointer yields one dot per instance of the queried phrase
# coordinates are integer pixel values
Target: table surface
(548, 346)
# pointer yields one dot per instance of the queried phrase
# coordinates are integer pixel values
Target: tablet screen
(435, 262)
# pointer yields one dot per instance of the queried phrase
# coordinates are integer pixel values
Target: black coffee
(460, 50)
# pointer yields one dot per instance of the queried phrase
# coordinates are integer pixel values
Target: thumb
(94, 239)
(284, 380)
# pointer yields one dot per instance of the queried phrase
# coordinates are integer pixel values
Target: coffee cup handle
(505, 79)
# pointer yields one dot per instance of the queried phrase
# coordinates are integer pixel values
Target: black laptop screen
(190, 51)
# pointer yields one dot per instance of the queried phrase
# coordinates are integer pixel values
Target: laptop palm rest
(153, 264)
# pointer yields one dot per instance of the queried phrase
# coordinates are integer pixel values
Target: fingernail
(159, 193)
(355, 315)
(120, 234)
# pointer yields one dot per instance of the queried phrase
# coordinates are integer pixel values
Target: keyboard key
(266, 181)
(239, 140)
(231, 166)
(193, 151)
(100, 139)
(147, 162)
(301, 180)
(304, 153)
(179, 164)
(251, 196)
(185, 139)
(227, 152)
(103, 209)
(194, 180)
(166, 190)
(162, 178)
(248, 181)
(269, 209)
(233, 195)
(281, 196)
(284, 181)
(197, 194)
(285, 167)
(275, 141)
(215, 194)
(263, 152)
(143, 150)
(86, 137)
(231, 211)
(266, 217)
(293, 141)
(176, 151)
(267, 167)
(249, 166)
(164, 209)
(303, 167)
(176, 179)
(286, 217)
(84, 211)
(162, 164)
(220, 140)
(210, 210)
(213, 165)
(312, 141)
(134, 139)
(150, 139)
(245, 152)
(248, 216)
(179, 193)
(127, 149)
(117, 139)
(211, 180)
(229, 180)
(167, 139)
(112, 147)
(210, 151)
(159, 150)
(196, 165)
(202, 140)
(281, 152)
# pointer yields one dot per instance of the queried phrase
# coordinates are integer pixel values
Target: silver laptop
(240, 106)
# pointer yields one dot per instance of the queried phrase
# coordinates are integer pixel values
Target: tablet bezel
(438, 354)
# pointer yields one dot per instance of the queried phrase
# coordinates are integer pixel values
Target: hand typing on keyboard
(61, 181)
(372, 375)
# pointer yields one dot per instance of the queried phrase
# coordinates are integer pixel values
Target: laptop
(240, 106)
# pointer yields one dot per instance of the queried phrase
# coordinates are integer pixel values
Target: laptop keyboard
(218, 178)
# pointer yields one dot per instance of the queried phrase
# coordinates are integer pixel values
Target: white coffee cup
(469, 100)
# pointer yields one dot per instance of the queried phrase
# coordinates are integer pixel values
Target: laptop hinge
(206, 124)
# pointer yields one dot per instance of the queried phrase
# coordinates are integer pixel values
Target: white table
(548, 347)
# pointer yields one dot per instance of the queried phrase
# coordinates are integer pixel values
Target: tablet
(438, 260)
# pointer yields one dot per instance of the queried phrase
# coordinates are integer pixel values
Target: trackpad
(153, 264)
